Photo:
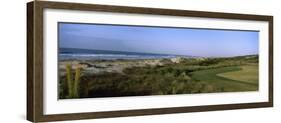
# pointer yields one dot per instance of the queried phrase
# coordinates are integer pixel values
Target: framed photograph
(96, 61)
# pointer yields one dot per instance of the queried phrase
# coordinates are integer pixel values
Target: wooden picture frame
(35, 60)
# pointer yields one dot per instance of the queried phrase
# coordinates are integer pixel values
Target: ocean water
(90, 54)
(83, 56)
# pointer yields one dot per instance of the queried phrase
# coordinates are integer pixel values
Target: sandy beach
(114, 66)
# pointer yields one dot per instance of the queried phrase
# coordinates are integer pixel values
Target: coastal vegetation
(70, 88)
(116, 78)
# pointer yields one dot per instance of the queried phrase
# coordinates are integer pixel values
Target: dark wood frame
(35, 60)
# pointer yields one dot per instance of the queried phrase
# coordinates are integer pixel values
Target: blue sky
(180, 41)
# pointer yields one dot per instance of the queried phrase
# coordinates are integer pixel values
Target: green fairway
(248, 73)
(210, 77)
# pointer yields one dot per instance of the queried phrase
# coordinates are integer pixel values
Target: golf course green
(235, 78)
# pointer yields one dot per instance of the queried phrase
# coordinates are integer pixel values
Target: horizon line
(164, 53)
